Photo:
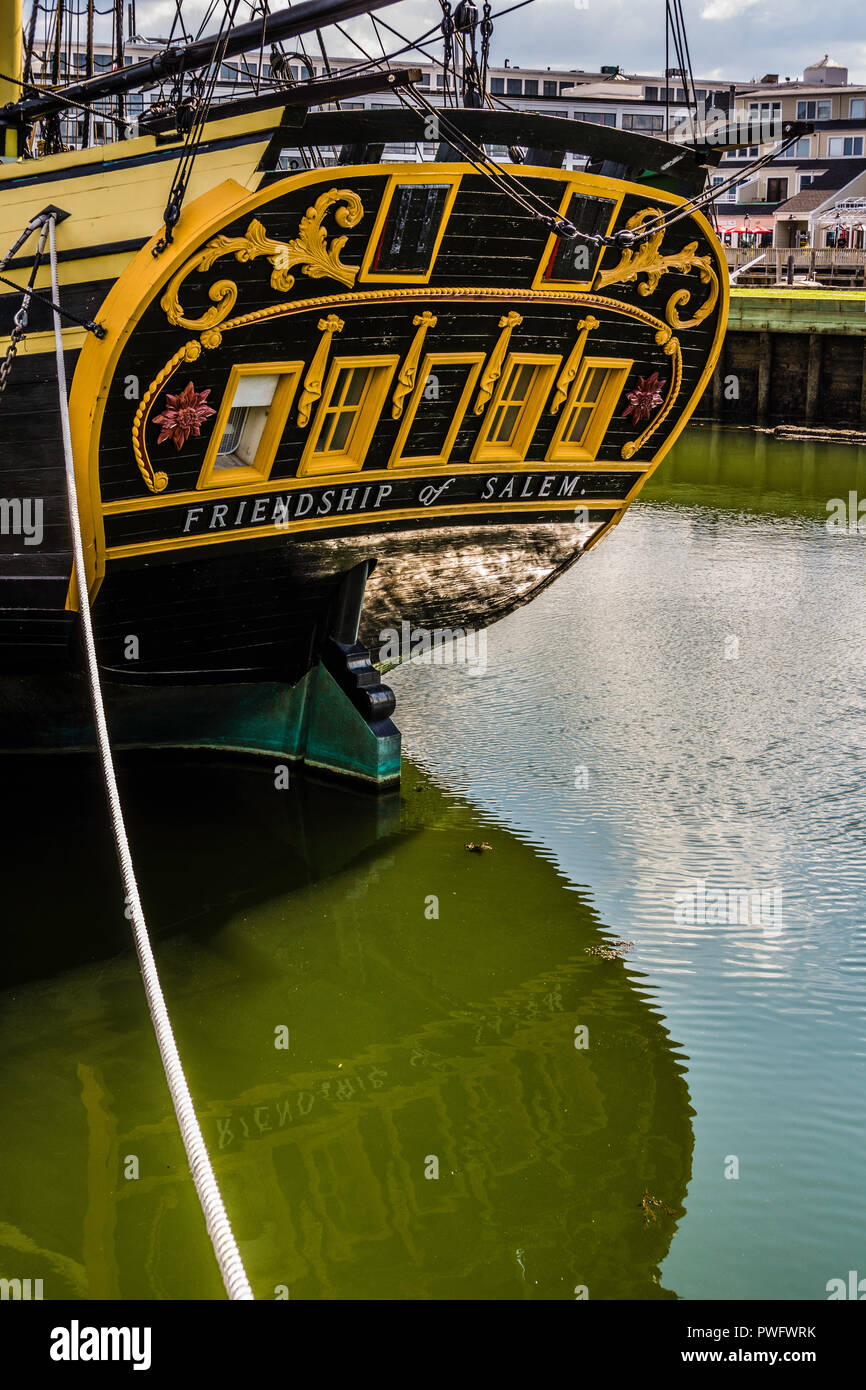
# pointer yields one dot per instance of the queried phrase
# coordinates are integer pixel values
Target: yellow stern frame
(146, 276)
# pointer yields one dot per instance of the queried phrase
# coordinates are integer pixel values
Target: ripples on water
(705, 665)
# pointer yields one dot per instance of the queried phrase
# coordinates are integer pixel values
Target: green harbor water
(475, 1101)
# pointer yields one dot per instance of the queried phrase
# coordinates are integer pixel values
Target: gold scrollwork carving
(406, 377)
(310, 250)
(316, 371)
(493, 370)
(157, 481)
(569, 371)
(647, 260)
(671, 348)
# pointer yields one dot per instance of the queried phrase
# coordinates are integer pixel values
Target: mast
(118, 49)
(11, 62)
(58, 42)
(88, 72)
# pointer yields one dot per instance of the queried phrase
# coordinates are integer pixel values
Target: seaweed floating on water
(648, 1203)
(615, 950)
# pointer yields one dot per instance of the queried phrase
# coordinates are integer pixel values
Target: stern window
(409, 229)
(347, 415)
(249, 423)
(514, 411)
(588, 410)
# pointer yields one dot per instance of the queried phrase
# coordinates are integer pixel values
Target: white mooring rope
(219, 1228)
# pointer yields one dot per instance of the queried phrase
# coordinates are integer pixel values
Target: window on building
(514, 411)
(566, 86)
(530, 87)
(716, 180)
(588, 410)
(514, 86)
(764, 110)
(347, 415)
(596, 117)
(436, 409)
(551, 89)
(813, 110)
(651, 93)
(643, 122)
(801, 148)
(806, 181)
(839, 146)
(249, 423)
(777, 190)
(424, 80)
(497, 84)
(857, 109)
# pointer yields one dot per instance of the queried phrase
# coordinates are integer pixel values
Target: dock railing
(828, 265)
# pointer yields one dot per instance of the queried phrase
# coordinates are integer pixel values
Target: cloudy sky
(740, 39)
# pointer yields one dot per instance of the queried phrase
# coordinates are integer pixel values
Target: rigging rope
(184, 168)
(219, 1228)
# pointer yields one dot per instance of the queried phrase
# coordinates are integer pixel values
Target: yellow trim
(98, 359)
(530, 412)
(397, 180)
(350, 459)
(601, 411)
(126, 552)
(576, 185)
(37, 344)
(278, 413)
(475, 361)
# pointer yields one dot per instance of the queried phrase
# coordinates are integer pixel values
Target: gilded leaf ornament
(310, 249)
(647, 260)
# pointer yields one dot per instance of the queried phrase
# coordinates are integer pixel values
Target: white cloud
(726, 9)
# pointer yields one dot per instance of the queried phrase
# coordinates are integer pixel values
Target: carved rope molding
(648, 260)
(310, 250)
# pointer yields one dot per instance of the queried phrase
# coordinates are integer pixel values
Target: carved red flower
(643, 400)
(183, 416)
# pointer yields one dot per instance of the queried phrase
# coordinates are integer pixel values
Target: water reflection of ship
(409, 1038)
